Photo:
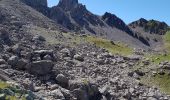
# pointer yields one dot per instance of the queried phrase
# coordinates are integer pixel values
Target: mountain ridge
(42, 60)
(80, 20)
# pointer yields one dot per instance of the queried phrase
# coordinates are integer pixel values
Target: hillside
(75, 17)
(151, 30)
(68, 53)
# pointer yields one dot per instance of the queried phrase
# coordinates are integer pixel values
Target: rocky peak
(113, 21)
(151, 26)
(141, 22)
(68, 4)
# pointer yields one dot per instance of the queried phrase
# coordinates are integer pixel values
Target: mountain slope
(151, 26)
(36, 54)
(75, 17)
(151, 30)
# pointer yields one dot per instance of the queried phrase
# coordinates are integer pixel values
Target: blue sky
(128, 10)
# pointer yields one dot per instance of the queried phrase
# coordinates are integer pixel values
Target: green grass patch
(3, 85)
(158, 58)
(117, 48)
(167, 41)
(160, 81)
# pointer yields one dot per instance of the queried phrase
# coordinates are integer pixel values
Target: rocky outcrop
(151, 26)
(40, 67)
(113, 21)
(68, 4)
(74, 16)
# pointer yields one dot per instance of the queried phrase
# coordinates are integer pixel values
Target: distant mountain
(150, 26)
(75, 17)
(150, 30)
(113, 21)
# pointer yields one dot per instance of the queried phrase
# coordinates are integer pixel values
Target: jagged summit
(113, 21)
(74, 16)
(68, 4)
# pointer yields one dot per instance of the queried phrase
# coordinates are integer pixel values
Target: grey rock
(47, 57)
(13, 60)
(80, 94)
(17, 49)
(105, 90)
(4, 36)
(85, 90)
(79, 57)
(29, 85)
(42, 67)
(44, 54)
(62, 80)
(67, 94)
(66, 52)
(2, 61)
(38, 38)
(21, 64)
(5, 66)
(58, 94)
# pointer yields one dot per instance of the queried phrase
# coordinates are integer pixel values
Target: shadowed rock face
(74, 16)
(68, 4)
(113, 21)
(151, 26)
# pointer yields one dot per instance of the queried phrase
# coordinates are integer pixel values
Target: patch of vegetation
(114, 48)
(13, 92)
(3, 85)
(167, 41)
(160, 81)
(158, 58)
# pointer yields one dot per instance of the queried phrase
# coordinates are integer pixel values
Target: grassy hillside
(160, 81)
(114, 48)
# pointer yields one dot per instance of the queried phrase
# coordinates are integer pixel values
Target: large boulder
(62, 80)
(38, 38)
(84, 90)
(79, 57)
(17, 49)
(44, 54)
(42, 67)
(21, 64)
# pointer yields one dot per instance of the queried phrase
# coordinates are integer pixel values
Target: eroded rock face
(68, 4)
